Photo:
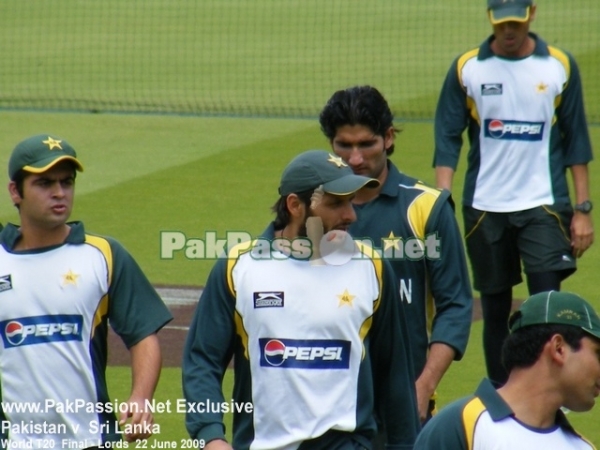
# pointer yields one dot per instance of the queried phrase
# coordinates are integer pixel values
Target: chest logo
(491, 89)
(70, 278)
(271, 299)
(304, 353)
(5, 283)
(41, 329)
(391, 242)
(513, 130)
(346, 299)
(541, 88)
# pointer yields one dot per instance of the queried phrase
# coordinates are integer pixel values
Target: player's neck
(525, 50)
(33, 237)
(534, 403)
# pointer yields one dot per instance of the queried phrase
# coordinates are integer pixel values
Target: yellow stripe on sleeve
(470, 415)
(377, 262)
(104, 246)
(232, 259)
(471, 105)
(420, 209)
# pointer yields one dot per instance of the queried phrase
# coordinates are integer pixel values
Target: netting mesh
(256, 58)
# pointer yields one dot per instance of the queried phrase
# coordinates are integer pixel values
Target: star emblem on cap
(346, 299)
(52, 143)
(541, 88)
(337, 161)
(70, 278)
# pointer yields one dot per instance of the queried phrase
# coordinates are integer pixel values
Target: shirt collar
(498, 409)
(11, 234)
(494, 404)
(392, 180)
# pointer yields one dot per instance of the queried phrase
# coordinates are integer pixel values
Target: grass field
(144, 174)
(266, 57)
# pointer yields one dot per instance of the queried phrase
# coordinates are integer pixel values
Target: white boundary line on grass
(174, 296)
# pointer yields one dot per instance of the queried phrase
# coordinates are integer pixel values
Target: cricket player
(553, 359)
(60, 287)
(317, 346)
(521, 102)
(405, 213)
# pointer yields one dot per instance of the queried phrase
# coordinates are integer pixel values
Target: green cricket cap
(315, 168)
(554, 307)
(509, 10)
(39, 153)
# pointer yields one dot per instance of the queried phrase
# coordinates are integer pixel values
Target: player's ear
(532, 10)
(557, 348)
(295, 206)
(15, 196)
(388, 138)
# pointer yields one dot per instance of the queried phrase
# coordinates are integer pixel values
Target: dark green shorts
(497, 243)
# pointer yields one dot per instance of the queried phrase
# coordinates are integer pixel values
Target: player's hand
(424, 394)
(136, 414)
(218, 444)
(582, 233)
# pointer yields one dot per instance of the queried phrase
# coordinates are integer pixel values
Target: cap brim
(594, 333)
(349, 184)
(44, 165)
(509, 13)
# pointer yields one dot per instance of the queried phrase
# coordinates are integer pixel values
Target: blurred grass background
(260, 58)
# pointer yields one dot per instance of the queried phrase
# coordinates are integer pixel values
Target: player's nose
(356, 158)
(58, 190)
(348, 213)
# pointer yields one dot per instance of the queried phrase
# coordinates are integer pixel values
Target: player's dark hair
(19, 179)
(523, 347)
(358, 105)
(282, 215)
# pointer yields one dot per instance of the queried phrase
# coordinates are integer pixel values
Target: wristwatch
(584, 207)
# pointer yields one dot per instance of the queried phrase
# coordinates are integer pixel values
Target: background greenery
(260, 57)
(144, 174)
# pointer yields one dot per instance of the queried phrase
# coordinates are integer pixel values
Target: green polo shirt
(435, 288)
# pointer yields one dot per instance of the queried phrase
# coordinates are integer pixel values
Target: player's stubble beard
(303, 230)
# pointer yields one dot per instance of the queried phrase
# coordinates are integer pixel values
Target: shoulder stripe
(104, 246)
(232, 259)
(420, 208)
(425, 188)
(563, 58)
(470, 415)
(462, 60)
(375, 258)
